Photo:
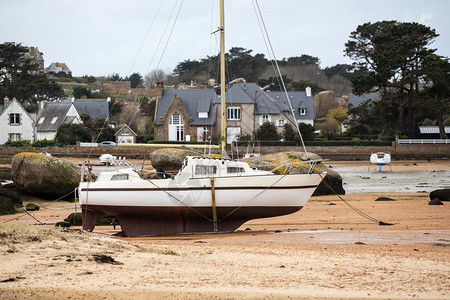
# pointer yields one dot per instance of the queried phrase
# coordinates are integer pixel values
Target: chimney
(6, 101)
(308, 91)
(159, 86)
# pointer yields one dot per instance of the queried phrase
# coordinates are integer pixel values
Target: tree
(94, 126)
(330, 129)
(71, 133)
(289, 133)
(114, 77)
(79, 92)
(115, 107)
(339, 114)
(308, 132)
(153, 76)
(302, 60)
(267, 132)
(17, 78)
(389, 55)
(135, 80)
(437, 75)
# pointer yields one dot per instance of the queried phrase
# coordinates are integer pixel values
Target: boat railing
(288, 166)
(87, 165)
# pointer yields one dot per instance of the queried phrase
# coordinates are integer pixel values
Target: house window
(126, 132)
(53, 121)
(14, 137)
(41, 120)
(203, 115)
(302, 111)
(176, 128)
(14, 119)
(202, 134)
(281, 123)
(234, 113)
(264, 118)
(205, 170)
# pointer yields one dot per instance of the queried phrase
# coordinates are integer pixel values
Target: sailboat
(206, 195)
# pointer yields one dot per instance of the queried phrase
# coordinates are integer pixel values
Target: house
(432, 132)
(16, 123)
(52, 115)
(125, 135)
(184, 115)
(56, 68)
(355, 101)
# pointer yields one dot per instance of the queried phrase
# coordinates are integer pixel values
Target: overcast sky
(101, 37)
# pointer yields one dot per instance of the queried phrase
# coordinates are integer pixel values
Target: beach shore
(326, 250)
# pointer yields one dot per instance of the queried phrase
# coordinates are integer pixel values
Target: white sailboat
(207, 195)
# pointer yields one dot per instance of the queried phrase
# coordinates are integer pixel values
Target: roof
(193, 101)
(50, 111)
(57, 67)
(432, 129)
(122, 128)
(298, 100)
(355, 100)
(96, 109)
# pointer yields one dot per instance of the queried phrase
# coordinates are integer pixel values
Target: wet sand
(326, 250)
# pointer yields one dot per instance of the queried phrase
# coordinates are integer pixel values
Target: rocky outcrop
(441, 194)
(170, 159)
(435, 201)
(332, 181)
(44, 176)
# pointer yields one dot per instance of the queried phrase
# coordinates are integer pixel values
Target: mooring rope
(363, 214)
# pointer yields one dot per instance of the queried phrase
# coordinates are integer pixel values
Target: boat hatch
(120, 177)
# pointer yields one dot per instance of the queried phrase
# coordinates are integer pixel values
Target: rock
(103, 220)
(384, 199)
(170, 159)
(6, 206)
(11, 195)
(435, 201)
(32, 207)
(44, 176)
(441, 194)
(271, 161)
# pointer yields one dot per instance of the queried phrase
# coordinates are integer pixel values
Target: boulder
(269, 162)
(6, 206)
(44, 176)
(171, 159)
(4, 192)
(441, 194)
(384, 199)
(32, 207)
(435, 201)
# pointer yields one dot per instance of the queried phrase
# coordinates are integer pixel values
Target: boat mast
(223, 153)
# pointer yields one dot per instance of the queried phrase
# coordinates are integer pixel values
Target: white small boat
(107, 159)
(206, 195)
(380, 159)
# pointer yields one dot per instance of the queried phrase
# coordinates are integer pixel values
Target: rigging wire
(281, 77)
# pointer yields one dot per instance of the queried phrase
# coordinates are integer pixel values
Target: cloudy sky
(101, 37)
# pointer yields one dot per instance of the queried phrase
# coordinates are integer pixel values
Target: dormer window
(41, 120)
(53, 121)
(203, 115)
(302, 111)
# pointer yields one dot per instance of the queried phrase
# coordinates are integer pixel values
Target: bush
(18, 144)
(267, 132)
(69, 134)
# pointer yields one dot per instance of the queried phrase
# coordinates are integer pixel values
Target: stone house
(184, 115)
(125, 134)
(56, 68)
(194, 115)
(16, 123)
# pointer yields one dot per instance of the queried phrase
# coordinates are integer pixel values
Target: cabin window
(120, 177)
(14, 119)
(234, 113)
(205, 170)
(235, 170)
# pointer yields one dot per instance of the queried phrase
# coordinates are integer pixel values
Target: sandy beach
(326, 250)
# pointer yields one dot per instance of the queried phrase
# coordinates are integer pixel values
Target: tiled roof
(96, 109)
(193, 101)
(50, 111)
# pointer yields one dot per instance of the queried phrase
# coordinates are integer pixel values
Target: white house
(125, 135)
(52, 116)
(16, 123)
